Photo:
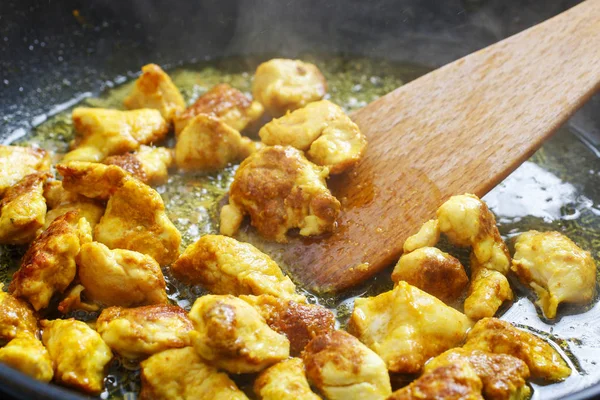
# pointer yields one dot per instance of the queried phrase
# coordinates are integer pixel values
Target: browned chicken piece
(155, 89)
(120, 277)
(139, 332)
(407, 326)
(503, 376)
(230, 334)
(343, 368)
(72, 301)
(27, 354)
(16, 318)
(78, 353)
(23, 210)
(457, 381)
(103, 132)
(17, 162)
(501, 337)
(488, 290)
(282, 85)
(299, 322)
(434, 272)
(285, 380)
(428, 236)
(148, 164)
(225, 266)
(61, 201)
(93, 180)
(49, 266)
(323, 130)
(180, 374)
(556, 268)
(280, 190)
(225, 103)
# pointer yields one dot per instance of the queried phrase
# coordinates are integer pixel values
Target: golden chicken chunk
(488, 290)
(23, 210)
(282, 85)
(90, 179)
(17, 162)
(139, 332)
(407, 326)
(323, 130)
(148, 164)
(230, 334)
(432, 271)
(103, 132)
(49, 266)
(556, 268)
(120, 277)
(343, 368)
(16, 318)
(285, 380)
(61, 201)
(225, 103)
(428, 236)
(280, 190)
(27, 354)
(155, 89)
(78, 353)
(180, 374)
(225, 266)
(501, 337)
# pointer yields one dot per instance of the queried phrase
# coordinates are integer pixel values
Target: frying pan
(53, 51)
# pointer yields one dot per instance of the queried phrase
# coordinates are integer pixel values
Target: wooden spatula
(461, 128)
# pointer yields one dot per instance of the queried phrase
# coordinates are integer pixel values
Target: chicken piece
(208, 144)
(155, 89)
(230, 334)
(17, 162)
(139, 332)
(284, 381)
(434, 272)
(163, 378)
(488, 290)
(120, 277)
(323, 130)
(148, 164)
(282, 85)
(503, 376)
(72, 301)
(457, 381)
(28, 355)
(299, 322)
(102, 132)
(281, 190)
(78, 353)
(49, 266)
(61, 201)
(225, 103)
(501, 337)
(556, 268)
(428, 236)
(16, 318)
(23, 210)
(343, 368)
(407, 326)
(225, 266)
(93, 180)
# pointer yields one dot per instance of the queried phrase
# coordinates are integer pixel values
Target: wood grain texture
(461, 128)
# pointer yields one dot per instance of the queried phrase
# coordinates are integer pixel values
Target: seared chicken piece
(148, 164)
(61, 201)
(17, 162)
(323, 130)
(432, 271)
(23, 210)
(556, 268)
(407, 326)
(102, 132)
(120, 277)
(299, 322)
(428, 236)
(343, 368)
(501, 337)
(225, 103)
(16, 318)
(49, 266)
(72, 301)
(284, 381)
(78, 353)
(488, 290)
(281, 190)
(155, 89)
(27, 354)
(225, 266)
(139, 332)
(93, 180)
(230, 334)
(282, 85)
(180, 374)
